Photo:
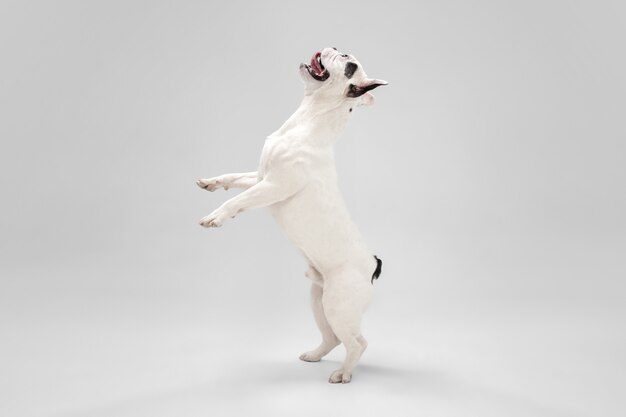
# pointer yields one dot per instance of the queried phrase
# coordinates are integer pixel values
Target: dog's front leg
(243, 180)
(262, 194)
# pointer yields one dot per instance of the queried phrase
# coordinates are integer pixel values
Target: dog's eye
(344, 55)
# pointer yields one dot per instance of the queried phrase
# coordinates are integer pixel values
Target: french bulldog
(297, 180)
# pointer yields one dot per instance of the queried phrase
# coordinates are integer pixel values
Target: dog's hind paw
(340, 376)
(311, 356)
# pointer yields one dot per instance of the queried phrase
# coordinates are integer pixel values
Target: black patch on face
(351, 68)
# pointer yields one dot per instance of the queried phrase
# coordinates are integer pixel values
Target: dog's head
(333, 75)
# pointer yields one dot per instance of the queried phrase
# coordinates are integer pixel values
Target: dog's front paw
(211, 184)
(215, 219)
(340, 376)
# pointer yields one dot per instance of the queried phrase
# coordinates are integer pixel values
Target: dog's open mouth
(316, 69)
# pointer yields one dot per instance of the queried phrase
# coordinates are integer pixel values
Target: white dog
(298, 181)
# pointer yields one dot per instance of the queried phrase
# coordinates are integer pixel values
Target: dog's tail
(379, 269)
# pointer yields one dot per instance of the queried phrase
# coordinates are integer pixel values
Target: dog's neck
(323, 119)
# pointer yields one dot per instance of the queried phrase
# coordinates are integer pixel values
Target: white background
(489, 177)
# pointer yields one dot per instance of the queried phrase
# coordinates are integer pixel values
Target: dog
(297, 180)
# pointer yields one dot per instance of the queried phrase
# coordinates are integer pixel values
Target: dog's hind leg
(242, 180)
(329, 340)
(346, 295)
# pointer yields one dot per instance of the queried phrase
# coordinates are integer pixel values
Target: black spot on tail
(379, 268)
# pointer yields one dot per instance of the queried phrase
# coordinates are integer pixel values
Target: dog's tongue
(315, 64)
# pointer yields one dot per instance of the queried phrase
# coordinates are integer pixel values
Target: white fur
(297, 180)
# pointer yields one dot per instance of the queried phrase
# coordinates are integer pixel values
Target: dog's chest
(266, 156)
(283, 151)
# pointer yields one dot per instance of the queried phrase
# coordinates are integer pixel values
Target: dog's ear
(357, 90)
(366, 99)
